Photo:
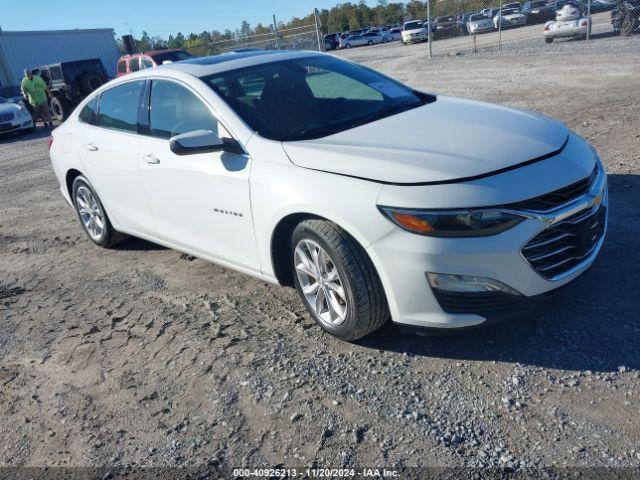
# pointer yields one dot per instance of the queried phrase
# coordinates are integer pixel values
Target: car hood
(9, 108)
(441, 141)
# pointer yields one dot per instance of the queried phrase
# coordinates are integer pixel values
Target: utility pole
(500, 26)
(275, 31)
(315, 16)
(588, 20)
(429, 36)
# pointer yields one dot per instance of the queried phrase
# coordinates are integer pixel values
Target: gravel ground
(143, 356)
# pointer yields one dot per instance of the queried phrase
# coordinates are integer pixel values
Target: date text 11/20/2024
(315, 472)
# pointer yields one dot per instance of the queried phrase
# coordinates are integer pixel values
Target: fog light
(465, 283)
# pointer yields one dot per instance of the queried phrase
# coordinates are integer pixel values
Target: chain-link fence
(448, 27)
(299, 35)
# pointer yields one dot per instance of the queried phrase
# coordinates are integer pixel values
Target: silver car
(354, 41)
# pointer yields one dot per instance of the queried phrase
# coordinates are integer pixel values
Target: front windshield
(413, 25)
(311, 97)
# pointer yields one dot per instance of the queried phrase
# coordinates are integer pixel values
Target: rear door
(109, 152)
(201, 202)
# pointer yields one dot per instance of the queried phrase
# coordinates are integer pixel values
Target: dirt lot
(140, 356)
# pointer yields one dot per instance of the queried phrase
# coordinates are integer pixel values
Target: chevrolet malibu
(375, 200)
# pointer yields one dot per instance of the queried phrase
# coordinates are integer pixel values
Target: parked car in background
(374, 37)
(376, 201)
(461, 20)
(581, 5)
(445, 27)
(15, 117)
(140, 61)
(569, 23)
(480, 23)
(70, 82)
(353, 41)
(395, 33)
(414, 31)
(603, 5)
(509, 18)
(538, 11)
(625, 19)
(331, 41)
(516, 5)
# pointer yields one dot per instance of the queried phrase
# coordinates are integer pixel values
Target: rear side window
(122, 67)
(134, 64)
(89, 113)
(145, 62)
(119, 107)
(176, 110)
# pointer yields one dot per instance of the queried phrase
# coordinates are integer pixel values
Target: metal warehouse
(19, 50)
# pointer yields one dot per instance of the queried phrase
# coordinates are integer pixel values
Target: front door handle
(151, 159)
(91, 147)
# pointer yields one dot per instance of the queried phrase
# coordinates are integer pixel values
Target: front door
(200, 202)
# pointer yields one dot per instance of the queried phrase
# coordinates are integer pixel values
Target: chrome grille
(566, 244)
(552, 200)
(6, 117)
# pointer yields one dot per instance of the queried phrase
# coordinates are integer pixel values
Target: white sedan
(509, 18)
(375, 200)
(568, 24)
(479, 22)
(15, 118)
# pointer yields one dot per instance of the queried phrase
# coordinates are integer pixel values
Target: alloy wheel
(90, 212)
(320, 282)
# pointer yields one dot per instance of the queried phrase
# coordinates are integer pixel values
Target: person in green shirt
(36, 92)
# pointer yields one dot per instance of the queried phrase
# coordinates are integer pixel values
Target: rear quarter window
(89, 113)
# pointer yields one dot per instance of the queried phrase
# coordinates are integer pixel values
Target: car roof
(203, 66)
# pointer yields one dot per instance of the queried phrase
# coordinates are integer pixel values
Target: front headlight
(452, 223)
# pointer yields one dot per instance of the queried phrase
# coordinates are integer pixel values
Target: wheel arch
(70, 176)
(280, 243)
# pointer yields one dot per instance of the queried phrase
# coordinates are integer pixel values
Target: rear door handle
(151, 159)
(91, 147)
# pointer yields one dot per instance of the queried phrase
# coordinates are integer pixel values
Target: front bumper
(405, 259)
(574, 29)
(16, 126)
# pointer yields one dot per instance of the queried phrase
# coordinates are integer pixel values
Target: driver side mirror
(202, 141)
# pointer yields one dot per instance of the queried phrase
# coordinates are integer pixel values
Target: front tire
(92, 216)
(548, 39)
(337, 281)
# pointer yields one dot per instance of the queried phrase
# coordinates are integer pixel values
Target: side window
(119, 107)
(175, 110)
(122, 66)
(56, 73)
(89, 112)
(145, 62)
(134, 64)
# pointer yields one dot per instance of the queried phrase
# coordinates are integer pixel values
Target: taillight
(546, 28)
(50, 142)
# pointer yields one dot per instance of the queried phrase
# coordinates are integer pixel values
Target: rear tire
(89, 81)
(92, 215)
(343, 262)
